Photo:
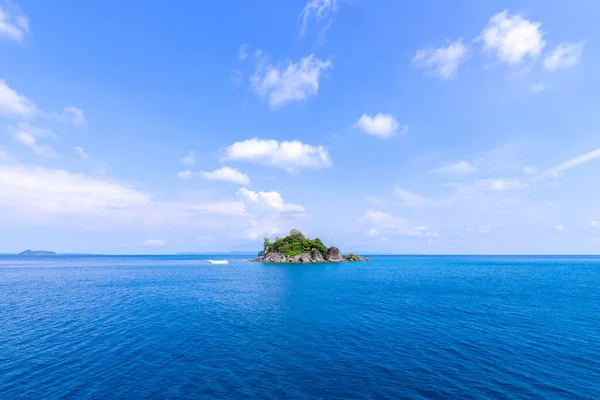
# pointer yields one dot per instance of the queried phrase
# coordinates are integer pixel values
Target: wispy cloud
(458, 168)
(292, 82)
(81, 152)
(442, 62)
(319, 11)
(154, 242)
(559, 169)
(13, 24)
(565, 55)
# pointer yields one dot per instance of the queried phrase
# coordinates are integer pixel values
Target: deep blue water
(397, 327)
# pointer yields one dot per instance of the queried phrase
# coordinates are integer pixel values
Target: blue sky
(402, 127)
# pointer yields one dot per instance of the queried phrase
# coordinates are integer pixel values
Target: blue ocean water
(398, 327)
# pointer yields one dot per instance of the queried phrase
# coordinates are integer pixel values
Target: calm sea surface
(397, 327)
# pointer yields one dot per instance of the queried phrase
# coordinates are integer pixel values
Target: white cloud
(381, 223)
(381, 125)
(230, 208)
(269, 200)
(503, 184)
(513, 38)
(565, 55)
(529, 170)
(594, 223)
(290, 156)
(13, 25)
(81, 152)
(227, 174)
(412, 199)
(243, 52)
(13, 104)
(296, 81)
(27, 135)
(559, 169)
(189, 160)
(458, 168)
(443, 62)
(318, 10)
(537, 87)
(205, 239)
(187, 174)
(16, 105)
(51, 191)
(154, 242)
(559, 228)
(72, 115)
(421, 231)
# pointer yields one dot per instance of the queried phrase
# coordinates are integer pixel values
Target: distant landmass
(38, 253)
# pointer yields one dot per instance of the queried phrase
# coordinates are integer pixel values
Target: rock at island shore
(334, 255)
(294, 259)
(275, 258)
(305, 258)
(316, 255)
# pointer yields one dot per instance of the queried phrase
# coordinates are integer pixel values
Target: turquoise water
(397, 327)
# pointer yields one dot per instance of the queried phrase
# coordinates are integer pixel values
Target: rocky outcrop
(316, 256)
(305, 258)
(275, 258)
(334, 255)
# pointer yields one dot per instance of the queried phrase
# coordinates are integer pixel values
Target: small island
(37, 253)
(297, 248)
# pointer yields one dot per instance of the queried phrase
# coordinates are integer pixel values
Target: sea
(398, 327)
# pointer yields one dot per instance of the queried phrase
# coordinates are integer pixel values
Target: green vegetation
(293, 244)
(352, 257)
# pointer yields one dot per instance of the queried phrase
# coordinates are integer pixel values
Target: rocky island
(297, 248)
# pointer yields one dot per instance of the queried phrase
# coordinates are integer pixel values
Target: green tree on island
(293, 244)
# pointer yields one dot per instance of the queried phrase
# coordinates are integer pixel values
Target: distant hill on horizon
(37, 253)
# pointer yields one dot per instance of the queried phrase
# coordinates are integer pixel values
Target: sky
(432, 127)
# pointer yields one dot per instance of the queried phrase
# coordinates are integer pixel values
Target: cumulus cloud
(512, 38)
(320, 11)
(287, 155)
(81, 152)
(269, 200)
(154, 242)
(565, 55)
(15, 105)
(458, 168)
(13, 24)
(381, 125)
(442, 62)
(227, 174)
(295, 81)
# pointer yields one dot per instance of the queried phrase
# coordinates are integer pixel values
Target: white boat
(218, 262)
